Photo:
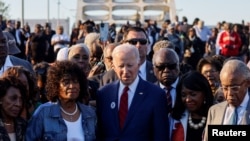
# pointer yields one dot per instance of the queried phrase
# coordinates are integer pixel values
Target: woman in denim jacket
(64, 117)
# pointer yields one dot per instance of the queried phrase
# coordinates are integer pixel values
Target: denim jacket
(47, 124)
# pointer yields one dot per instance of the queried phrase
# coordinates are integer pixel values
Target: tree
(4, 10)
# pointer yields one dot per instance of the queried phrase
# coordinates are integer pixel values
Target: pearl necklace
(7, 124)
(70, 114)
(198, 125)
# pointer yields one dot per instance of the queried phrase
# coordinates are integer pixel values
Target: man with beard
(7, 60)
(167, 71)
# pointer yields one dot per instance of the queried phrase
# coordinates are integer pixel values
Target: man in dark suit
(139, 113)
(7, 60)
(135, 36)
(167, 70)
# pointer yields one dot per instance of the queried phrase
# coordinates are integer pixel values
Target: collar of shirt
(245, 101)
(173, 85)
(240, 110)
(6, 65)
(142, 70)
(131, 91)
(173, 94)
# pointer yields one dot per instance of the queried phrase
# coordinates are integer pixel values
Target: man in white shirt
(59, 40)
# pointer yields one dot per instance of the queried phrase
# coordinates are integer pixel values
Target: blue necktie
(234, 118)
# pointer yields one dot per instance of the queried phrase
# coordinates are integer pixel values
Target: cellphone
(104, 32)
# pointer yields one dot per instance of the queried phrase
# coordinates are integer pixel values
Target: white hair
(80, 45)
(127, 48)
(236, 66)
(62, 54)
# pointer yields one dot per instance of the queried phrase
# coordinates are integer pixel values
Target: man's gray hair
(127, 48)
(236, 66)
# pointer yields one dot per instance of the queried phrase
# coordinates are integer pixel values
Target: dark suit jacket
(111, 76)
(21, 62)
(158, 84)
(147, 118)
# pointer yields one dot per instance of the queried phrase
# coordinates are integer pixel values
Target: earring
(204, 101)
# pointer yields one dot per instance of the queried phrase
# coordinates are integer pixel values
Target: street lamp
(58, 12)
(48, 8)
(22, 17)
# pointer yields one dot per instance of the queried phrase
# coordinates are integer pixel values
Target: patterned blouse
(20, 127)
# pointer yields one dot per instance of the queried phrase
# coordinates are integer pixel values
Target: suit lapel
(184, 121)
(137, 100)
(220, 115)
(246, 116)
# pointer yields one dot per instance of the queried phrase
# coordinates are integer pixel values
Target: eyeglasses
(68, 81)
(233, 88)
(209, 71)
(169, 66)
(136, 40)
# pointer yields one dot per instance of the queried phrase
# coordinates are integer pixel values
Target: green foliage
(4, 9)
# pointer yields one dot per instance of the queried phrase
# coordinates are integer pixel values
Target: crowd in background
(63, 87)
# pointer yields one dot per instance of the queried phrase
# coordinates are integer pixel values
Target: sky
(211, 11)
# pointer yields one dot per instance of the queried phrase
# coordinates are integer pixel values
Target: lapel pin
(141, 93)
(112, 105)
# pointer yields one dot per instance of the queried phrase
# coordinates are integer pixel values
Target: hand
(97, 69)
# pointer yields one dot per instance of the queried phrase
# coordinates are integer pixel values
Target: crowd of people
(147, 82)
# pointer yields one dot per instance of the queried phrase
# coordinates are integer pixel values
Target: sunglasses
(169, 66)
(135, 41)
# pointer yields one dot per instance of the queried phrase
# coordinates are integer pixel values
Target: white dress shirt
(173, 90)
(142, 71)
(240, 111)
(58, 37)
